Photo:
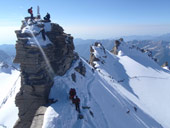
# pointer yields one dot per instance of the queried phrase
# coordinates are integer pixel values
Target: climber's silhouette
(47, 17)
(30, 12)
(72, 93)
(77, 103)
(42, 31)
(135, 108)
(128, 111)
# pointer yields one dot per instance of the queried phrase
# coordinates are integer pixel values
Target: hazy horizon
(91, 19)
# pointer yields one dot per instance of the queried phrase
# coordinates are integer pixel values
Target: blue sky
(97, 19)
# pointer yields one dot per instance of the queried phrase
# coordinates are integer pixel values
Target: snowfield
(10, 85)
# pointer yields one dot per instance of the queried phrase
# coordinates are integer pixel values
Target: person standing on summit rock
(47, 18)
(30, 12)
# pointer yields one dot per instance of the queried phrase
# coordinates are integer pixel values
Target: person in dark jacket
(135, 108)
(42, 31)
(77, 103)
(72, 94)
(30, 12)
(47, 17)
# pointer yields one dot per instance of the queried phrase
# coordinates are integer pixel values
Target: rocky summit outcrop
(116, 46)
(93, 57)
(43, 50)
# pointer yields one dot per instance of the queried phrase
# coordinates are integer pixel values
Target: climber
(47, 17)
(72, 93)
(128, 111)
(135, 108)
(42, 31)
(92, 70)
(77, 103)
(30, 12)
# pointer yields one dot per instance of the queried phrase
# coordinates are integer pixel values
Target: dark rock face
(81, 68)
(115, 48)
(36, 77)
(73, 76)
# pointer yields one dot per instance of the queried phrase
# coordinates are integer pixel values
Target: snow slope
(10, 85)
(109, 102)
(125, 91)
(150, 83)
(142, 77)
(160, 49)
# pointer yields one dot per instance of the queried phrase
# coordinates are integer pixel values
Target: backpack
(29, 11)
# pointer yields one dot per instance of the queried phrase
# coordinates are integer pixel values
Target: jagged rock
(121, 39)
(115, 48)
(73, 76)
(38, 69)
(93, 58)
(81, 68)
(91, 49)
(142, 50)
(96, 44)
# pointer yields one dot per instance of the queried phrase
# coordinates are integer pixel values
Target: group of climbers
(75, 99)
(46, 19)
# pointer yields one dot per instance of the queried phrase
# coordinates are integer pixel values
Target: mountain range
(119, 85)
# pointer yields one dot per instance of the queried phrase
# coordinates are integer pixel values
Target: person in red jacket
(77, 103)
(72, 94)
(30, 12)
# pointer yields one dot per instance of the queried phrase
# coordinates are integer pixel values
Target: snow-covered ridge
(160, 49)
(142, 77)
(9, 89)
(110, 101)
